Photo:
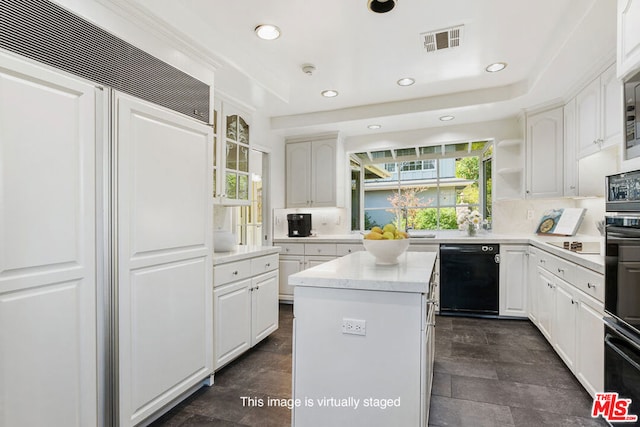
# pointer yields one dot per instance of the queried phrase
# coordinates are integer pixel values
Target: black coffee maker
(299, 225)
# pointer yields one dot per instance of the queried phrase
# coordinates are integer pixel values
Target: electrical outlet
(530, 214)
(354, 326)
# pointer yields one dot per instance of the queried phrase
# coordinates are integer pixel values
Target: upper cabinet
(628, 37)
(599, 114)
(315, 172)
(231, 162)
(544, 145)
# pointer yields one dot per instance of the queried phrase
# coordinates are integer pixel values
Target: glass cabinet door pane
(231, 185)
(232, 155)
(232, 127)
(243, 131)
(243, 187)
(243, 158)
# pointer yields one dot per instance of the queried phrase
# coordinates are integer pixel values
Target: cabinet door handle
(590, 286)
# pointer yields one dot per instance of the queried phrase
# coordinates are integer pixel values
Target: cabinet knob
(561, 270)
(235, 273)
(590, 286)
(572, 187)
(572, 301)
(286, 249)
(267, 265)
(349, 250)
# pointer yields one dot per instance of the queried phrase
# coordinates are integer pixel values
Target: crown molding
(140, 16)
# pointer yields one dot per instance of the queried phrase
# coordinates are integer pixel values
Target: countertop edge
(347, 272)
(243, 252)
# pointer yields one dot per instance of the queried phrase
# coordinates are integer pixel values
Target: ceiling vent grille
(446, 38)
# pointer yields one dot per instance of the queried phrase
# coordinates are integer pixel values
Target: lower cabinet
(570, 319)
(513, 280)
(295, 257)
(245, 310)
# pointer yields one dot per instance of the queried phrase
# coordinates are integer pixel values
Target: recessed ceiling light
(374, 126)
(406, 81)
(496, 66)
(267, 32)
(446, 118)
(329, 93)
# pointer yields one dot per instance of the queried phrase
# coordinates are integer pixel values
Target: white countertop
(359, 271)
(591, 261)
(243, 252)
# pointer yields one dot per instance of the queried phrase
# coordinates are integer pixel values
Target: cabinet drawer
(589, 282)
(227, 273)
(557, 266)
(291, 248)
(320, 249)
(343, 249)
(264, 264)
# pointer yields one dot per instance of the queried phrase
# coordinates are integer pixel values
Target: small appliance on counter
(299, 225)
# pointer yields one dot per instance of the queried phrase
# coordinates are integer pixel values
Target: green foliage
(368, 222)
(468, 168)
(426, 219)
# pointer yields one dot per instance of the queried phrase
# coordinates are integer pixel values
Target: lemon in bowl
(386, 244)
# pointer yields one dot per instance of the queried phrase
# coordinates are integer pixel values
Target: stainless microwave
(623, 192)
(631, 120)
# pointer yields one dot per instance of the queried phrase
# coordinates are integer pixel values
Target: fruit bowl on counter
(386, 244)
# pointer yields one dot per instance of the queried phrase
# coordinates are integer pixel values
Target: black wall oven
(622, 288)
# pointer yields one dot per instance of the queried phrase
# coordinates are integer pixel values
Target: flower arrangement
(469, 220)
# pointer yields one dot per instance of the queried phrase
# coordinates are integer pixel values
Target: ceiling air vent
(442, 39)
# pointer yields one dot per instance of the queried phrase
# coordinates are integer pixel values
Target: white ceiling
(551, 47)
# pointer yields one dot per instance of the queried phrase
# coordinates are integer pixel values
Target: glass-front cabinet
(231, 163)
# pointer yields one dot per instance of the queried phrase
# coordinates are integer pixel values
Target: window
(426, 194)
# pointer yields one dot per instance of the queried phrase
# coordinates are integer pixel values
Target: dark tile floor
(487, 373)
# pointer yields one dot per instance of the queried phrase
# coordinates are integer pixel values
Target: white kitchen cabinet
(231, 175)
(546, 302)
(564, 322)
(532, 288)
(599, 114)
(48, 271)
(315, 170)
(570, 315)
(628, 46)
(513, 280)
(544, 170)
(245, 305)
(570, 177)
(589, 367)
(264, 306)
(164, 256)
(295, 257)
(232, 306)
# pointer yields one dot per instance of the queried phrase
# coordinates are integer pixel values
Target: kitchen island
(363, 341)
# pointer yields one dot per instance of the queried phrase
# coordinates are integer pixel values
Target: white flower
(467, 218)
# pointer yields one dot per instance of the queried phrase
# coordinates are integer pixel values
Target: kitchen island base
(362, 357)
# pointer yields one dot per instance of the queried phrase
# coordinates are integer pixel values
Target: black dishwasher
(469, 279)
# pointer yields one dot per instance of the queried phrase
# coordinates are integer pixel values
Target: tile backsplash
(511, 216)
(324, 221)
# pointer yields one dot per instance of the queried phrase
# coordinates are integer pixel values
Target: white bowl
(386, 251)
